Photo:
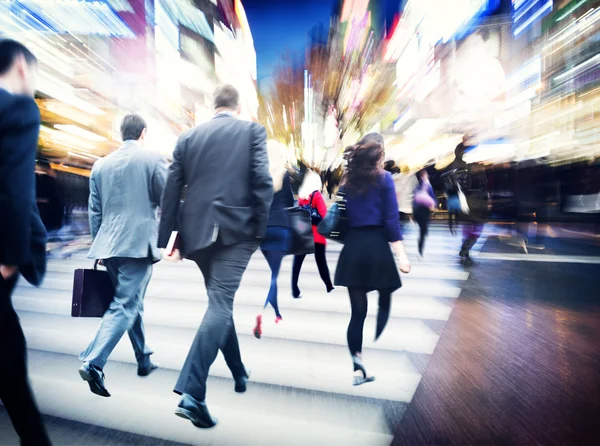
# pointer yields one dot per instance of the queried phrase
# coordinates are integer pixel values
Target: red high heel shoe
(258, 328)
(278, 319)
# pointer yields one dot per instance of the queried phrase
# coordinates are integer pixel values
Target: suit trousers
(222, 268)
(15, 392)
(125, 313)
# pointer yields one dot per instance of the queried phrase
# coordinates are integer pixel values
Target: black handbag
(93, 291)
(303, 241)
(335, 224)
(315, 217)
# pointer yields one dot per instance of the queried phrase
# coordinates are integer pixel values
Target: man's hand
(8, 271)
(175, 257)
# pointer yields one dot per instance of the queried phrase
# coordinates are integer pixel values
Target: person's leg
(274, 259)
(466, 230)
(471, 233)
(383, 314)
(425, 229)
(231, 353)
(137, 334)
(223, 268)
(129, 277)
(421, 216)
(15, 391)
(359, 305)
(298, 260)
(322, 265)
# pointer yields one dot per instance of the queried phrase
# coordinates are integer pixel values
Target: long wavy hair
(364, 164)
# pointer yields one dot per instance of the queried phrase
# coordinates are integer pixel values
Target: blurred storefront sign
(528, 12)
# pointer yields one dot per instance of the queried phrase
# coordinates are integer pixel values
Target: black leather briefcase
(93, 292)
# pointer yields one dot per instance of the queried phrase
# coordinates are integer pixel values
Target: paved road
(301, 390)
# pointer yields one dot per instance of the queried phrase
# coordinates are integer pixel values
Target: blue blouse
(377, 207)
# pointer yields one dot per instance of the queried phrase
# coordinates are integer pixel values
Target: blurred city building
(100, 60)
(518, 79)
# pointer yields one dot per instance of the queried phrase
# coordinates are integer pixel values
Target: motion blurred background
(518, 357)
(518, 79)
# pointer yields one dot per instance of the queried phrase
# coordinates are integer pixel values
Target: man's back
(224, 165)
(125, 191)
(22, 234)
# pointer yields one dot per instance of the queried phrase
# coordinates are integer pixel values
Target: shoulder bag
(335, 224)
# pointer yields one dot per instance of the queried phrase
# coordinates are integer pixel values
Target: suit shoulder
(257, 127)
(18, 107)
(97, 166)
(154, 158)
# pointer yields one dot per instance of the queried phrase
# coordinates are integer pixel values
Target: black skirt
(366, 261)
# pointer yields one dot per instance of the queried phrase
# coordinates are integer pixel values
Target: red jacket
(319, 203)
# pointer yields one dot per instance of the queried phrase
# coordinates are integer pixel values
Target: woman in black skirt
(366, 262)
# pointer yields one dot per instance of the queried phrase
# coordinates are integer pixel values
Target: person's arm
(18, 147)
(319, 204)
(261, 183)
(171, 195)
(94, 205)
(159, 178)
(392, 223)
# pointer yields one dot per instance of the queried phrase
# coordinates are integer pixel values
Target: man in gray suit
(224, 165)
(125, 192)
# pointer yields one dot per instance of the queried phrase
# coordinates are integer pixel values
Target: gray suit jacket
(125, 191)
(224, 165)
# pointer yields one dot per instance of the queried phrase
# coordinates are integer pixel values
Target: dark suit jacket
(22, 233)
(224, 165)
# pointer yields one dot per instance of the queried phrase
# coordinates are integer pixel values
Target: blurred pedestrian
(454, 175)
(405, 184)
(224, 165)
(22, 233)
(50, 197)
(310, 196)
(125, 192)
(367, 262)
(277, 242)
(473, 182)
(424, 203)
(329, 182)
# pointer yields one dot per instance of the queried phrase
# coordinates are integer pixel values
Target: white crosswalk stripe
(300, 390)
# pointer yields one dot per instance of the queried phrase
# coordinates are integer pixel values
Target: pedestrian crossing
(300, 390)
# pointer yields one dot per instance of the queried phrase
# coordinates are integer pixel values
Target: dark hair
(226, 96)
(9, 51)
(459, 151)
(132, 127)
(364, 163)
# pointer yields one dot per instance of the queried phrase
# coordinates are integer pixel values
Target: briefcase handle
(96, 263)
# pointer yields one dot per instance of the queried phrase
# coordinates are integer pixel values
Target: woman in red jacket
(309, 193)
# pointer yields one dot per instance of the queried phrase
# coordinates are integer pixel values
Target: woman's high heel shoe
(258, 328)
(359, 367)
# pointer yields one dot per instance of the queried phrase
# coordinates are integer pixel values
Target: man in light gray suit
(125, 193)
